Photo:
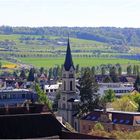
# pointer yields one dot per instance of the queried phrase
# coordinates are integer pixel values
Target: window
(84, 127)
(89, 127)
(51, 90)
(63, 106)
(23, 96)
(121, 121)
(93, 117)
(70, 75)
(115, 120)
(64, 85)
(127, 121)
(63, 98)
(138, 121)
(69, 107)
(64, 75)
(88, 117)
(47, 90)
(75, 126)
(70, 85)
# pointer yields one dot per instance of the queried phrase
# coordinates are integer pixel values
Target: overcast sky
(94, 13)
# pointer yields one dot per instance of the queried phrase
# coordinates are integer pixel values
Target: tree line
(111, 35)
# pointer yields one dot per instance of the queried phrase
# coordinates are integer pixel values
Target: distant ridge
(110, 35)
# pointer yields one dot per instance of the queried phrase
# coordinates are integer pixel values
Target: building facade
(111, 120)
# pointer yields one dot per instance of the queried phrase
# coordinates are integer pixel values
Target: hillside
(110, 35)
(23, 43)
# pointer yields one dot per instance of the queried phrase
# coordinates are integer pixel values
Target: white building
(52, 90)
(119, 88)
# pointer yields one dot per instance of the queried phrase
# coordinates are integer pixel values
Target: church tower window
(64, 85)
(70, 85)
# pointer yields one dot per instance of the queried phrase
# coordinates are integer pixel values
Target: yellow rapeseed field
(10, 66)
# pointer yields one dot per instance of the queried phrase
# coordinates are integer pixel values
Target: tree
(93, 70)
(50, 73)
(22, 74)
(77, 68)
(41, 70)
(42, 97)
(88, 91)
(15, 74)
(120, 71)
(109, 96)
(103, 70)
(31, 75)
(0, 64)
(113, 74)
(137, 83)
(125, 104)
(134, 70)
(99, 126)
(107, 79)
(129, 70)
(136, 98)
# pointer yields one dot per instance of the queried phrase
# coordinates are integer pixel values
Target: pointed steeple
(68, 59)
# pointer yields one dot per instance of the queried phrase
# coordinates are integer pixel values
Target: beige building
(112, 120)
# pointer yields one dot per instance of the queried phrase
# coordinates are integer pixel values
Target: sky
(83, 13)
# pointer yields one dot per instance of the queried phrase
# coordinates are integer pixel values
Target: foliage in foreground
(42, 97)
(125, 104)
(99, 130)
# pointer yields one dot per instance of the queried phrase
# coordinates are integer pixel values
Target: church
(68, 103)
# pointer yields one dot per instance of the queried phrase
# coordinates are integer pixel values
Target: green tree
(31, 75)
(107, 79)
(41, 70)
(109, 96)
(125, 104)
(42, 97)
(88, 91)
(113, 74)
(120, 71)
(22, 74)
(15, 74)
(103, 70)
(93, 70)
(0, 64)
(134, 70)
(99, 126)
(50, 73)
(77, 68)
(136, 98)
(129, 70)
(137, 83)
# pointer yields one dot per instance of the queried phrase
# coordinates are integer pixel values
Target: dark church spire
(68, 59)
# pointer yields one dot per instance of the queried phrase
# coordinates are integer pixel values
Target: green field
(83, 62)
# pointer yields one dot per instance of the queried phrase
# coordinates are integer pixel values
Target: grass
(83, 62)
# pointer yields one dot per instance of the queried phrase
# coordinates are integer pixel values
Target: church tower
(67, 105)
